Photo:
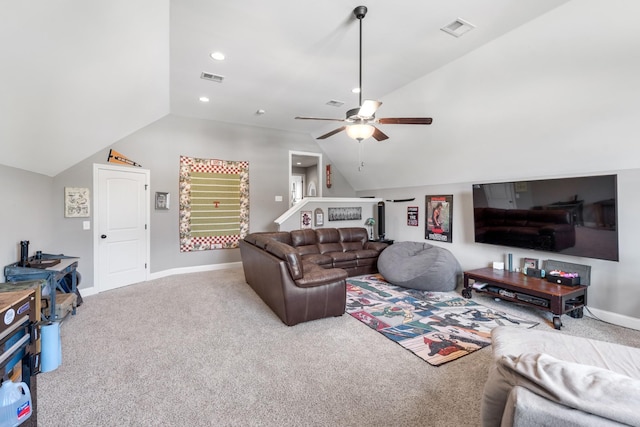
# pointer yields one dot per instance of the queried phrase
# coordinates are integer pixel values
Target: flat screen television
(573, 216)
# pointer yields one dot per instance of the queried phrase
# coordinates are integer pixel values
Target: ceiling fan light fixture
(360, 131)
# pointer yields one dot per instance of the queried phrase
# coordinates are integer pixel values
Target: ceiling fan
(359, 122)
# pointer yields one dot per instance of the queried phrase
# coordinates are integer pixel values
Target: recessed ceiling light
(218, 56)
(204, 99)
(355, 90)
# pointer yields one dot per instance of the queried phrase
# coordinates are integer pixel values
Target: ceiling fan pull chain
(360, 161)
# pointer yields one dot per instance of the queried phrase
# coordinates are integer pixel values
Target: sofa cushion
(339, 257)
(516, 217)
(280, 236)
(328, 240)
(305, 241)
(322, 260)
(259, 241)
(289, 254)
(353, 238)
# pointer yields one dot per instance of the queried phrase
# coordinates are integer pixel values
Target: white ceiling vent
(458, 27)
(335, 103)
(213, 77)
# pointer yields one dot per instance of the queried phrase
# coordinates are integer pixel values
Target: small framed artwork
(76, 202)
(162, 201)
(345, 214)
(318, 217)
(412, 216)
(439, 217)
(530, 263)
(305, 219)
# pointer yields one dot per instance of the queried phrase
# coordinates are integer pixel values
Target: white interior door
(121, 243)
(296, 188)
(501, 195)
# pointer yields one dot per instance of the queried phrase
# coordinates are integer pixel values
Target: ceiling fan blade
(319, 118)
(333, 132)
(379, 135)
(405, 121)
(369, 108)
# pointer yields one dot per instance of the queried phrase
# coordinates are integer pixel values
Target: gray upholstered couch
(546, 378)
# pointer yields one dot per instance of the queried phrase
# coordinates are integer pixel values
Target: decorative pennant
(115, 157)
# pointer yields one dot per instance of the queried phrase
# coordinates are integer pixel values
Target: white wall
(26, 213)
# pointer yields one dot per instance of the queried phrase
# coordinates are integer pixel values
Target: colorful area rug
(436, 326)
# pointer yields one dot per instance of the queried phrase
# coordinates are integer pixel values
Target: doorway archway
(308, 166)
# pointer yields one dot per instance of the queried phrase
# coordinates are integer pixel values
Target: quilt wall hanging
(214, 203)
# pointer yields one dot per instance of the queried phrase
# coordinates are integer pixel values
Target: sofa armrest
(376, 246)
(315, 275)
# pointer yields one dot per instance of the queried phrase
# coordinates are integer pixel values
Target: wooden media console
(529, 291)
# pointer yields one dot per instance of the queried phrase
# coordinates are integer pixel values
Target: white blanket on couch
(587, 388)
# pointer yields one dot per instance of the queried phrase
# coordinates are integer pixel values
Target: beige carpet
(202, 349)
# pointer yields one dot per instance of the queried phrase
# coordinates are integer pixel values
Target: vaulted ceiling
(78, 76)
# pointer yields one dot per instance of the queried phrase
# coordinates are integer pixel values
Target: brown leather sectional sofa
(301, 275)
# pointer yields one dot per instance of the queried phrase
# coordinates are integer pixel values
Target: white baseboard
(194, 269)
(85, 292)
(615, 318)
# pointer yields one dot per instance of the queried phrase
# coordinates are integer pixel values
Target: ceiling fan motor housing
(360, 12)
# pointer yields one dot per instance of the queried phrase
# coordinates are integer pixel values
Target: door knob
(104, 236)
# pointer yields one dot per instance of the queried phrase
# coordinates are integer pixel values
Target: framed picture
(318, 216)
(305, 219)
(412, 216)
(530, 263)
(76, 202)
(439, 215)
(162, 201)
(345, 214)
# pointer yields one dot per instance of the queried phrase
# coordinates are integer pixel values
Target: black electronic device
(381, 220)
(588, 203)
(532, 300)
(533, 272)
(493, 289)
(24, 253)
